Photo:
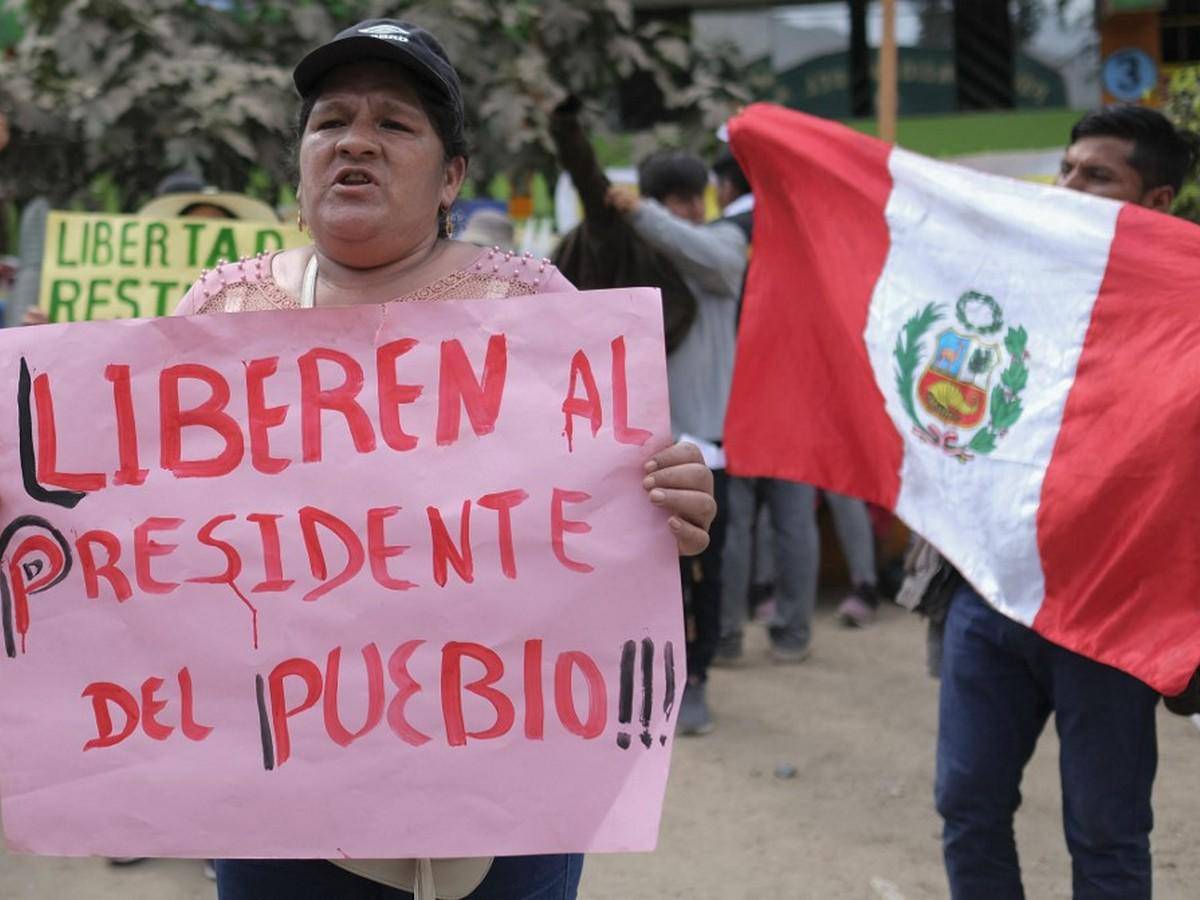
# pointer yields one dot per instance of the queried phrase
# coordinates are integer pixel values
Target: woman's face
(373, 172)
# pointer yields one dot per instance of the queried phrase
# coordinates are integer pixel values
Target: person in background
(185, 195)
(605, 250)
(853, 525)
(733, 193)
(488, 228)
(669, 216)
(382, 155)
(790, 522)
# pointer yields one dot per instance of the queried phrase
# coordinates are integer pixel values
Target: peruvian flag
(1014, 369)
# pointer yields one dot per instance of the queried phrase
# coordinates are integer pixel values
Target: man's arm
(577, 157)
(713, 255)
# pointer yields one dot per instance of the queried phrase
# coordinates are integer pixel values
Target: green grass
(955, 135)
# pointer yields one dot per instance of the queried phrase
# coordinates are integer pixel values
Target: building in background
(1142, 42)
(993, 83)
(948, 63)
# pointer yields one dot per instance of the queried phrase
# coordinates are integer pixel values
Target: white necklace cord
(308, 287)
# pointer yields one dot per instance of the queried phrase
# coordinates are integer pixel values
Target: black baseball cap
(403, 43)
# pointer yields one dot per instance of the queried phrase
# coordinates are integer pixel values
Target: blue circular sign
(1130, 73)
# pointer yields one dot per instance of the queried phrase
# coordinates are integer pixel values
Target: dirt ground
(857, 722)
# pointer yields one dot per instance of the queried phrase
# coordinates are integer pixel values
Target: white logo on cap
(386, 32)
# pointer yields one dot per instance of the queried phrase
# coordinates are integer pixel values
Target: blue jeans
(552, 877)
(1000, 682)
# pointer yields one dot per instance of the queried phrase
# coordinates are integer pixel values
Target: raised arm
(577, 157)
(714, 255)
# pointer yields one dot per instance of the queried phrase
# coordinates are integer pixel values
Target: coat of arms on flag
(956, 385)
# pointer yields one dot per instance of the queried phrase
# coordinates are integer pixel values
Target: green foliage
(140, 88)
(908, 355)
(987, 132)
(1014, 378)
(1015, 341)
(134, 90)
(1017, 374)
(10, 25)
(1183, 108)
(983, 441)
(518, 60)
(1006, 409)
(1005, 404)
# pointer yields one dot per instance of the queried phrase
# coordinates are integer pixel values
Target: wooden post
(889, 99)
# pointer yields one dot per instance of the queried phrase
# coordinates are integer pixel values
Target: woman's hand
(623, 198)
(678, 481)
(35, 316)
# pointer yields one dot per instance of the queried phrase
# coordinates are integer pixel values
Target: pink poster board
(364, 582)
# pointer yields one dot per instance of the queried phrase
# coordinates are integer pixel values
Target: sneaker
(789, 655)
(694, 716)
(210, 871)
(760, 593)
(764, 614)
(858, 609)
(729, 652)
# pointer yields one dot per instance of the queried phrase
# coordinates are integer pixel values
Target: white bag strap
(423, 887)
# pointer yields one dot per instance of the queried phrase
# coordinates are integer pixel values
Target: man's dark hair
(726, 168)
(1162, 153)
(670, 173)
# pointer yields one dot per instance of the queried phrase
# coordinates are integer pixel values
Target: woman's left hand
(678, 481)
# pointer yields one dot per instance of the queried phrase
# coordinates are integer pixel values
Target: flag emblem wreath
(958, 371)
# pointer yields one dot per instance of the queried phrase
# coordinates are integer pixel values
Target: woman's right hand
(35, 316)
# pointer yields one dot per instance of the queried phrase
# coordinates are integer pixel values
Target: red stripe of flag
(805, 308)
(1119, 518)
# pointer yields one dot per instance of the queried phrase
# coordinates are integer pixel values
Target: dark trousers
(553, 877)
(1000, 682)
(702, 589)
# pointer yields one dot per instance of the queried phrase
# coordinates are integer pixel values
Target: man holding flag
(1014, 370)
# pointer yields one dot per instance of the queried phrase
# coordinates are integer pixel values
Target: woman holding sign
(382, 156)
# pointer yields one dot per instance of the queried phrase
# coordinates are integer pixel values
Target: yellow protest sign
(100, 266)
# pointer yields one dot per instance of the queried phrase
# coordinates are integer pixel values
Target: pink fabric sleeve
(188, 305)
(207, 285)
(211, 283)
(555, 282)
(525, 268)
